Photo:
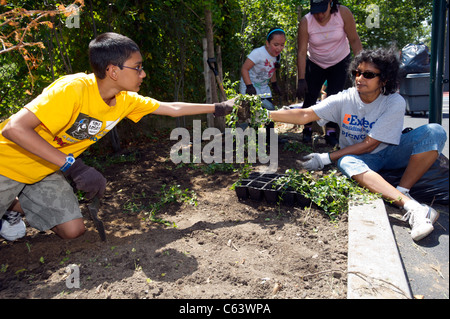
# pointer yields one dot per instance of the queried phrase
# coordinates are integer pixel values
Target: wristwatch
(69, 161)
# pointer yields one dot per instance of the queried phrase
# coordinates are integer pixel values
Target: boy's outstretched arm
(176, 109)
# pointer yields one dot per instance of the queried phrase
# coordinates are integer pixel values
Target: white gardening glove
(315, 161)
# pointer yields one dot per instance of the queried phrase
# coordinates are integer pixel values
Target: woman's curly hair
(386, 61)
(334, 6)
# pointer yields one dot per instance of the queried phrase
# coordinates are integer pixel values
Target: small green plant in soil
(213, 168)
(297, 147)
(170, 194)
(244, 172)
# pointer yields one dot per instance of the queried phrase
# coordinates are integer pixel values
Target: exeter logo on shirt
(355, 128)
(84, 127)
(354, 120)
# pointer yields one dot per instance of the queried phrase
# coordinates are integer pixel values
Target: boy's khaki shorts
(47, 203)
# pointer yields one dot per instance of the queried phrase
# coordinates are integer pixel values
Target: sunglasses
(367, 74)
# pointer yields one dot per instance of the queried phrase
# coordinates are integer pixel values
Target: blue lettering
(354, 136)
(354, 120)
(360, 122)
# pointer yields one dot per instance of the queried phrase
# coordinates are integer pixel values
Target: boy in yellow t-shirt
(39, 145)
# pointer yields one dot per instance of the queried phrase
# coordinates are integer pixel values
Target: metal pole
(446, 64)
(440, 8)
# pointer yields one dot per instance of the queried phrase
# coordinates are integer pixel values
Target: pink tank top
(328, 44)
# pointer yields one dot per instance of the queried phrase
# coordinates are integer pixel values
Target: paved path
(384, 262)
(427, 262)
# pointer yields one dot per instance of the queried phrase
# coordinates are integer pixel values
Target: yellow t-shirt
(73, 116)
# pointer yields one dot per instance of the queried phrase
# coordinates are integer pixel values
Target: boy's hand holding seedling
(224, 108)
(248, 108)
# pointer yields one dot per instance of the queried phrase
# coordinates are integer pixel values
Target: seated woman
(370, 116)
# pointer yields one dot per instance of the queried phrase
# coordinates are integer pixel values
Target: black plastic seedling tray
(263, 187)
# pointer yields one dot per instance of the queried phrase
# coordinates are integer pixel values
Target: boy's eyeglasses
(367, 74)
(138, 69)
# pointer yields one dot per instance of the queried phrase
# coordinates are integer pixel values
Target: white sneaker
(421, 219)
(12, 228)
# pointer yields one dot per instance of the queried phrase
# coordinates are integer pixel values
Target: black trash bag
(415, 59)
(433, 187)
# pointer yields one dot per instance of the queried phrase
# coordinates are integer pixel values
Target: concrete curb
(375, 269)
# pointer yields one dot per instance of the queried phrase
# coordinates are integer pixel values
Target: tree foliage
(170, 33)
(387, 23)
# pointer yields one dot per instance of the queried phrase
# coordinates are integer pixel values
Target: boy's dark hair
(386, 61)
(110, 48)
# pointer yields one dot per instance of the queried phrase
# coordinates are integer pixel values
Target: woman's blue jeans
(429, 137)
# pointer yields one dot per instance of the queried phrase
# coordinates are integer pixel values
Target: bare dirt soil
(220, 248)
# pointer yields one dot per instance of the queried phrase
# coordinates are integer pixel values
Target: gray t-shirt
(382, 119)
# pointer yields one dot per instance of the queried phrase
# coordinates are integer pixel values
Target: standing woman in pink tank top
(325, 36)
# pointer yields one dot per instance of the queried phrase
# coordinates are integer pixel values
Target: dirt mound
(219, 248)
